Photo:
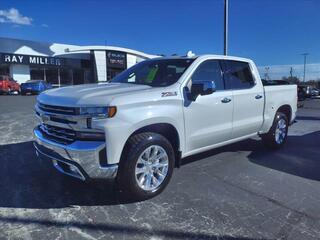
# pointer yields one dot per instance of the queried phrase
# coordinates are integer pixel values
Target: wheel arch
(165, 129)
(287, 110)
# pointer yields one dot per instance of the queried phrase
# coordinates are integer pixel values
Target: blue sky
(271, 32)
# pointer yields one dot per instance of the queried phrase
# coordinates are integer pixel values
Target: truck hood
(88, 94)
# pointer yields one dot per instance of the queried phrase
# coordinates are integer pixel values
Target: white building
(63, 64)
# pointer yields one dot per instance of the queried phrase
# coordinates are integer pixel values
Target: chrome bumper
(80, 159)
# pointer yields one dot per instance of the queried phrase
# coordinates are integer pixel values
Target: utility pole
(304, 66)
(225, 51)
(291, 71)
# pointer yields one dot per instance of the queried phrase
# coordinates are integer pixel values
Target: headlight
(100, 112)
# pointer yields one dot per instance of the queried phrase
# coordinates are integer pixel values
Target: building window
(37, 73)
(52, 76)
(88, 76)
(66, 76)
(112, 72)
(78, 76)
(61, 76)
(4, 70)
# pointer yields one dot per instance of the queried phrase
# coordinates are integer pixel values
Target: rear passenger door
(248, 97)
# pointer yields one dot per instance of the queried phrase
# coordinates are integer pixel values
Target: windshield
(155, 73)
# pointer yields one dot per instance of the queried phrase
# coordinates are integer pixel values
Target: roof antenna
(190, 54)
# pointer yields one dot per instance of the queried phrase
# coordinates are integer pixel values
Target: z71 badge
(168, 94)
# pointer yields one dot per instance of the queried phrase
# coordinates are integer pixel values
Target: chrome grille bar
(58, 109)
(59, 131)
(58, 134)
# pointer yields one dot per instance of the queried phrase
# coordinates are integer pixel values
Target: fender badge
(168, 94)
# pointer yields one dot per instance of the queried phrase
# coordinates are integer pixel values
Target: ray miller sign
(30, 59)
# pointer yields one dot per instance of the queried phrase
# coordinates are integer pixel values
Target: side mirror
(204, 87)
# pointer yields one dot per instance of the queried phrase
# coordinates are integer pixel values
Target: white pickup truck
(137, 128)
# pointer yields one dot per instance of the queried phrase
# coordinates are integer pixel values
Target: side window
(237, 75)
(209, 70)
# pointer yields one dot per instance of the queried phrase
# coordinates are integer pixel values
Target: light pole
(304, 65)
(266, 76)
(225, 50)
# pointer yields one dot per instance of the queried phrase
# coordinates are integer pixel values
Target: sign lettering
(116, 59)
(29, 60)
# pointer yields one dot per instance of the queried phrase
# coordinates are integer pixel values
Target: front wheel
(278, 133)
(146, 165)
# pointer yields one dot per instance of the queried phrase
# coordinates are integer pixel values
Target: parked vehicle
(310, 91)
(314, 92)
(8, 85)
(34, 87)
(274, 82)
(301, 96)
(139, 126)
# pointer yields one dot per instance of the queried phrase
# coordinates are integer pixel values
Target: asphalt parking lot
(242, 191)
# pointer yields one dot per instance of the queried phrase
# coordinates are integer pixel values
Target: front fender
(130, 119)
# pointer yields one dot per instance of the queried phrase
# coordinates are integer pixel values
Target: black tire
(135, 146)
(270, 139)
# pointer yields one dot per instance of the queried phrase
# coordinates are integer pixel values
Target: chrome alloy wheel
(281, 131)
(152, 167)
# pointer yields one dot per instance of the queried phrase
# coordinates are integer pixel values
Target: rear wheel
(146, 166)
(277, 134)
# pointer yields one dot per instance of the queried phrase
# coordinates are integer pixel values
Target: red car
(8, 85)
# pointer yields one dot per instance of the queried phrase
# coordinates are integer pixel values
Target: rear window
(237, 75)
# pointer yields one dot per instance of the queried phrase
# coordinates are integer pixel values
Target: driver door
(208, 119)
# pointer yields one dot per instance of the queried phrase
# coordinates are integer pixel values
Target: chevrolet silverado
(136, 128)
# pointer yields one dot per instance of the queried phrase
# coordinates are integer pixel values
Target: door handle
(226, 100)
(258, 96)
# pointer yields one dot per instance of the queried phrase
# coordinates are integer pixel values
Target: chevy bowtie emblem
(45, 118)
(168, 94)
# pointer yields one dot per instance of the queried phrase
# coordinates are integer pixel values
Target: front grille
(58, 134)
(59, 109)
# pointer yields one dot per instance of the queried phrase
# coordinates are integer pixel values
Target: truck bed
(276, 96)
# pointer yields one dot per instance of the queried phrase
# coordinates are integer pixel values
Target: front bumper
(2, 91)
(80, 159)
